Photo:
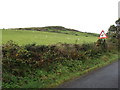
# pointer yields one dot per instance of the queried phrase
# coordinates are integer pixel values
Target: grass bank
(105, 60)
(57, 72)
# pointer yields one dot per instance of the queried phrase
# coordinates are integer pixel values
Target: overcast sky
(83, 15)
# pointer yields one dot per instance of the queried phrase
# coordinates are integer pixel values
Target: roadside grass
(23, 37)
(58, 72)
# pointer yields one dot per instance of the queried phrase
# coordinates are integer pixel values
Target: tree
(118, 28)
(117, 21)
(112, 29)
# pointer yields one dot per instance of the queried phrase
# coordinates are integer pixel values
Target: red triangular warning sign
(102, 35)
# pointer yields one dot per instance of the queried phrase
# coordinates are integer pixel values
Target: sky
(83, 15)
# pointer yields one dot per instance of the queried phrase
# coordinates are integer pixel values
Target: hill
(47, 35)
(55, 29)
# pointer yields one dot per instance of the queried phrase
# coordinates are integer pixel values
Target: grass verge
(105, 60)
(58, 72)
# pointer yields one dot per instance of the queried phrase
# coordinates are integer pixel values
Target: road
(106, 77)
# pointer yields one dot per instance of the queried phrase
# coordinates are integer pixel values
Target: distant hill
(47, 28)
(56, 29)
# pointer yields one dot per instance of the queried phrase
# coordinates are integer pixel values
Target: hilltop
(56, 29)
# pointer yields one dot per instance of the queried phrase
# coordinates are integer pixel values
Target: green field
(23, 37)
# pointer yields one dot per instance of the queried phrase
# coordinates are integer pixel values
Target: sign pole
(102, 41)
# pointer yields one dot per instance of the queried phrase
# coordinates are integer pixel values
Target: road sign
(102, 35)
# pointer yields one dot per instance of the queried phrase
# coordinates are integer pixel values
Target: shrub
(17, 57)
(10, 49)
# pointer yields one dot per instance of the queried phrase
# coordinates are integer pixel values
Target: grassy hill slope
(46, 36)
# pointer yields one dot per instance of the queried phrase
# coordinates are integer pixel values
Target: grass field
(23, 37)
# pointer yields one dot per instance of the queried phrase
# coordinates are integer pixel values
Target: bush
(10, 49)
(16, 58)
(37, 55)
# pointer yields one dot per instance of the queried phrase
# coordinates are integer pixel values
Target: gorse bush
(23, 60)
(10, 49)
(38, 55)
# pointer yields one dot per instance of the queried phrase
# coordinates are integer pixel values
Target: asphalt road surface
(106, 77)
